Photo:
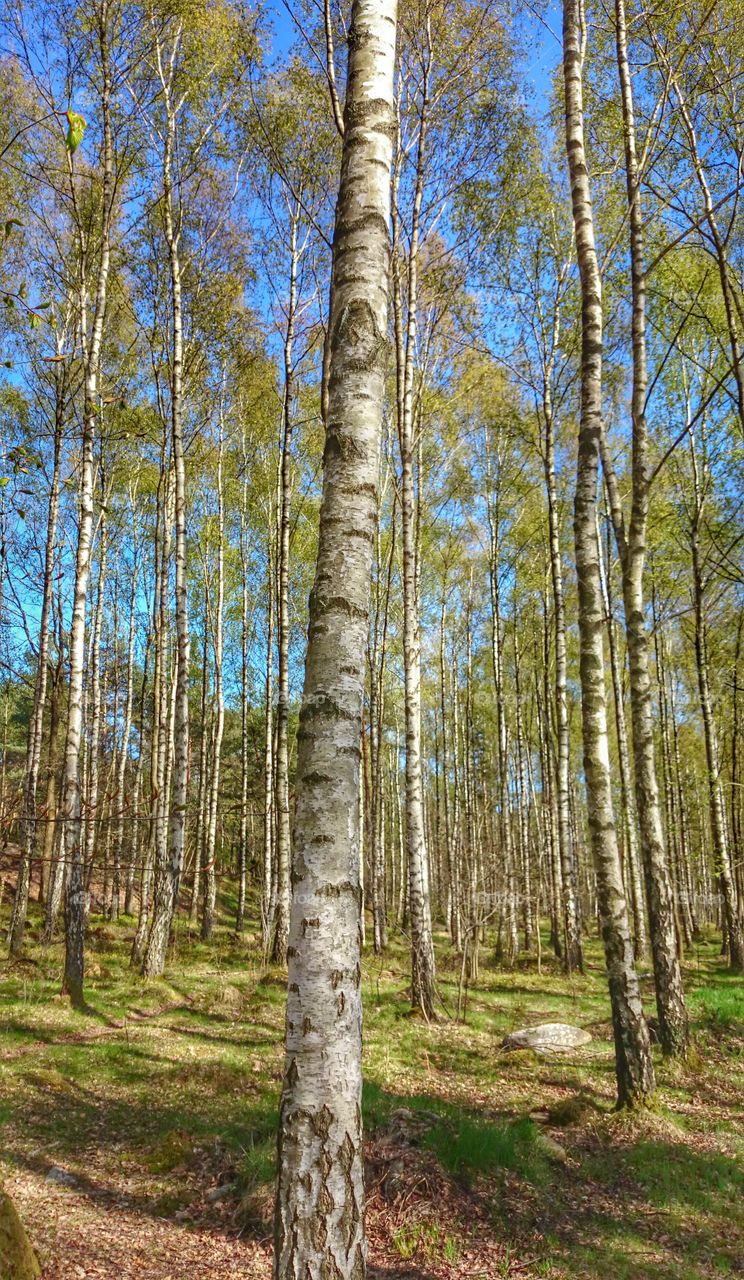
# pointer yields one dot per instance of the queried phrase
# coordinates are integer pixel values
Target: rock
(220, 1193)
(62, 1177)
(394, 1179)
(549, 1037)
(17, 1258)
(409, 1126)
(550, 1148)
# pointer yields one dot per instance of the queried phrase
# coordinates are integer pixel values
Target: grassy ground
(138, 1138)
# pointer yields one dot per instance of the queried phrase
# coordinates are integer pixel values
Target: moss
(17, 1258)
(574, 1109)
(49, 1078)
(172, 1150)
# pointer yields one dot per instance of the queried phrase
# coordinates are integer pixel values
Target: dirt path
(77, 1235)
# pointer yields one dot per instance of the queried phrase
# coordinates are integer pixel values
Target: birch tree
(319, 1227)
(634, 1068)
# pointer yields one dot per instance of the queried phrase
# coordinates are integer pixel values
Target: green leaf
(75, 131)
(3, 481)
(35, 320)
(10, 224)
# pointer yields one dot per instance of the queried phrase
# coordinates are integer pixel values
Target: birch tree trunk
(126, 733)
(166, 900)
(91, 823)
(52, 837)
(319, 1208)
(71, 800)
(733, 923)
(156, 850)
(244, 689)
(572, 955)
(267, 894)
(422, 947)
(210, 870)
(670, 1000)
(36, 723)
(524, 818)
(627, 800)
(377, 656)
(202, 790)
(633, 1065)
(509, 933)
(283, 842)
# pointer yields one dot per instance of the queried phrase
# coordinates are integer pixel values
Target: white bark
(319, 1208)
(71, 812)
(634, 1068)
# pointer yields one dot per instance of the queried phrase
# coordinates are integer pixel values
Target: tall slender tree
(634, 1068)
(319, 1227)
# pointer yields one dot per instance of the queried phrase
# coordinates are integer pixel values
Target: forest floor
(138, 1137)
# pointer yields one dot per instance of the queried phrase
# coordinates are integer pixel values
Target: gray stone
(549, 1037)
(550, 1148)
(220, 1193)
(62, 1177)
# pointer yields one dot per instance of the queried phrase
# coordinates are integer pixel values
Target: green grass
(672, 1175)
(174, 1086)
(721, 1006)
(472, 1147)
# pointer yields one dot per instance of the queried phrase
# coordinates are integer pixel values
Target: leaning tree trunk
(718, 239)
(634, 1068)
(319, 1207)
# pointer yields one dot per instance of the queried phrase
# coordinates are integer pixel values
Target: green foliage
(416, 1237)
(77, 125)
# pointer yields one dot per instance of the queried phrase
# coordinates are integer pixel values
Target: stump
(17, 1258)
